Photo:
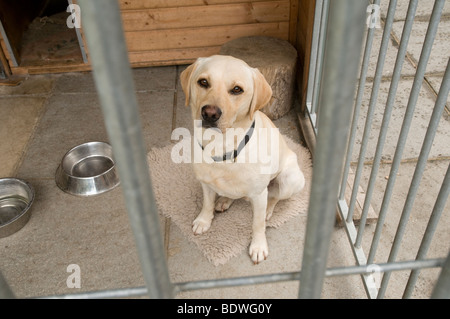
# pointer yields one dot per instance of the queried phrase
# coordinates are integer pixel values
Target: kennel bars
(336, 43)
(346, 209)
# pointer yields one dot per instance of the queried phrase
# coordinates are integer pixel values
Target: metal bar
(385, 125)
(359, 96)
(8, 46)
(429, 232)
(257, 279)
(5, 290)
(344, 37)
(238, 281)
(358, 252)
(103, 29)
(373, 99)
(80, 40)
(398, 266)
(291, 276)
(350, 228)
(444, 192)
(310, 97)
(442, 288)
(319, 60)
(314, 53)
(367, 126)
(417, 84)
(103, 294)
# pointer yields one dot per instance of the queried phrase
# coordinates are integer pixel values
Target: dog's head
(222, 90)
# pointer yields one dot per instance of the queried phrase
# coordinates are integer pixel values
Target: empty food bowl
(16, 198)
(87, 169)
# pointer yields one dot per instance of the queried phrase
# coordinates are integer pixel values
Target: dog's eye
(203, 83)
(236, 90)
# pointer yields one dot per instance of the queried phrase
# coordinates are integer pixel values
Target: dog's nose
(211, 113)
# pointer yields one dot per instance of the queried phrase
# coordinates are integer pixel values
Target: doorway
(35, 33)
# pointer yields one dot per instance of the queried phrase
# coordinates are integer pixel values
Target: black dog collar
(233, 154)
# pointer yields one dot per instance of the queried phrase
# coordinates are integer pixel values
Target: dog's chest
(231, 180)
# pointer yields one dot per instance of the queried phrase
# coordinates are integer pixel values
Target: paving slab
(408, 69)
(435, 82)
(145, 79)
(417, 222)
(19, 117)
(92, 232)
(69, 120)
(32, 84)
(441, 47)
(424, 8)
(419, 125)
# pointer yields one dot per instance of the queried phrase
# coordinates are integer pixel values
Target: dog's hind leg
(287, 183)
(271, 202)
(223, 203)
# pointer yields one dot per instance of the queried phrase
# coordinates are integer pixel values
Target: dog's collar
(233, 154)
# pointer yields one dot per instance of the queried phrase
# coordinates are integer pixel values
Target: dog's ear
(262, 92)
(185, 79)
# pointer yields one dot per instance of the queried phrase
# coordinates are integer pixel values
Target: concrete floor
(48, 114)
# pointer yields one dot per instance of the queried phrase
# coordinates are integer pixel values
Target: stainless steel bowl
(16, 198)
(87, 169)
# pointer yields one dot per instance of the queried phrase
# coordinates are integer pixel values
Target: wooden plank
(4, 63)
(44, 69)
(293, 20)
(153, 4)
(137, 59)
(201, 37)
(189, 55)
(13, 80)
(304, 40)
(5, 50)
(202, 16)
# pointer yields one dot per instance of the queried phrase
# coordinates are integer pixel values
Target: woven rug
(179, 197)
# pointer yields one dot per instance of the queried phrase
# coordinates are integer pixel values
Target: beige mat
(179, 197)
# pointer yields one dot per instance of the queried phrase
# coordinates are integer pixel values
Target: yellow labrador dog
(253, 162)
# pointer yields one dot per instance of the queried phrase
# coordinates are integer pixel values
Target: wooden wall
(178, 31)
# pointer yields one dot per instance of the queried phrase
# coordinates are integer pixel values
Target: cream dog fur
(224, 94)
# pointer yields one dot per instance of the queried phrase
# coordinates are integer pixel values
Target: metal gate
(318, 86)
(336, 47)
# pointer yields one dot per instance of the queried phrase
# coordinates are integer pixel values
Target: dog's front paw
(259, 250)
(200, 226)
